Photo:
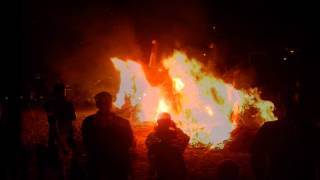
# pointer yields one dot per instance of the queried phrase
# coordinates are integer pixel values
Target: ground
(201, 162)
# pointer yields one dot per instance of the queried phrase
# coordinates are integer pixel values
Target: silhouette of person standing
(61, 114)
(107, 139)
(228, 170)
(273, 149)
(166, 145)
(280, 150)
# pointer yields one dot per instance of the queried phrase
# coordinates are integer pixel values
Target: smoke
(86, 38)
(86, 65)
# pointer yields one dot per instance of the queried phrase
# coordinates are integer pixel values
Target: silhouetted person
(281, 149)
(273, 150)
(61, 115)
(310, 121)
(10, 132)
(228, 170)
(107, 139)
(165, 149)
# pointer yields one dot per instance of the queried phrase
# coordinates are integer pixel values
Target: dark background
(72, 40)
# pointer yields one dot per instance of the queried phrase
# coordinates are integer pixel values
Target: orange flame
(202, 105)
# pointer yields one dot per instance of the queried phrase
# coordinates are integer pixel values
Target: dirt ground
(201, 162)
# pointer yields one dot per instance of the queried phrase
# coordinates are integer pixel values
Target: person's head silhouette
(164, 121)
(103, 101)
(59, 90)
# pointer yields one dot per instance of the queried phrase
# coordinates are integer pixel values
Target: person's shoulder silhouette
(228, 170)
(166, 145)
(107, 139)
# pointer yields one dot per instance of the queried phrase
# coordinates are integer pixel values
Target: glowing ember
(162, 107)
(178, 84)
(204, 106)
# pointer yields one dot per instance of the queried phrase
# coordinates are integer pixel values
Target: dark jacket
(107, 140)
(165, 150)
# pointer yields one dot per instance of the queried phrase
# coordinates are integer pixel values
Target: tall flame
(203, 106)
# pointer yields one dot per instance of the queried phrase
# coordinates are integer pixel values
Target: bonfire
(204, 106)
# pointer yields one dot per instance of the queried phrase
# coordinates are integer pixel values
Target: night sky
(60, 36)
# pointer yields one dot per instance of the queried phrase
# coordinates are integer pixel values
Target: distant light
(211, 46)
(284, 58)
(154, 42)
(6, 98)
(291, 51)
(214, 27)
(204, 54)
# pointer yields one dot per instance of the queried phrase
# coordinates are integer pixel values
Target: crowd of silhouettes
(283, 149)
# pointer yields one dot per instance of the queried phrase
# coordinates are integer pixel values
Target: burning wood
(203, 106)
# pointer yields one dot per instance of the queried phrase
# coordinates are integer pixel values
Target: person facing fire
(107, 139)
(285, 149)
(166, 145)
(61, 114)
